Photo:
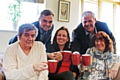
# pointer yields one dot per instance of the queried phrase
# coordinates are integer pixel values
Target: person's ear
(38, 19)
(95, 20)
(18, 37)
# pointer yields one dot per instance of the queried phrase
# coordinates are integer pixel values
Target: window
(109, 13)
(117, 31)
(107, 16)
(91, 6)
(29, 13)
(112, 20)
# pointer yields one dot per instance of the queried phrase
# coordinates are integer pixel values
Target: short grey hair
(87, 13)
(27, 27)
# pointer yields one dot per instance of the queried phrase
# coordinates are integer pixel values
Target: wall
(74, 14)
(52, 5)
(4, 38)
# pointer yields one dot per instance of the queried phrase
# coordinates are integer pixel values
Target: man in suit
(45, 27)
(82, 35)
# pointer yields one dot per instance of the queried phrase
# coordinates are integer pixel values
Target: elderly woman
(103, 58)
(26, 59)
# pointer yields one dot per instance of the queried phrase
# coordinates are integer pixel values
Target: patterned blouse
(101, 63)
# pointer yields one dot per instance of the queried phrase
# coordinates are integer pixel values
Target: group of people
(26, 56)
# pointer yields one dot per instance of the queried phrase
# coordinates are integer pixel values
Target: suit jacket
(46, 39)
(80, 40)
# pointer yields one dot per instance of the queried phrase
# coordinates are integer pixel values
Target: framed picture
(64, 11)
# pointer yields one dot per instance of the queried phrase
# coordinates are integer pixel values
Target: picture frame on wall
(64, 11)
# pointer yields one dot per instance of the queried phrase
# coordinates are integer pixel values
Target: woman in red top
(65, 70)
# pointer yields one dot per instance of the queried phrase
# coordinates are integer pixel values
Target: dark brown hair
(46, 13)
(54, 39)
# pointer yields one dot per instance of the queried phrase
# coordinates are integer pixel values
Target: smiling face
(88, 23)
(46, 22)
(62, 37)
(100, 44)
(27, 38)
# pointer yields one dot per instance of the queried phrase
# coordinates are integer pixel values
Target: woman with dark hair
(61, 42)
(103, 58)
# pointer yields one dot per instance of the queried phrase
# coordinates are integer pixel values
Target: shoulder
(38, 43)
(13, 45)
(91, 51)
(12, 48)
(115, 55)
(115, 58)
(38, 46)
(79, 26)
(100, 24)
(50, 47)
(79, 29)
(36, 23)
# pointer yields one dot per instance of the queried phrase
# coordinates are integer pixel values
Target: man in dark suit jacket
(45, 27)
(82, 35)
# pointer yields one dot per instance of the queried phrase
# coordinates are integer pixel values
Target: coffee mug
(52, 66)
(86, 59)
(76, 58)
(66, 55)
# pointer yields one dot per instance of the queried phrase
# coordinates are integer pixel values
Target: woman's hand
(51, 55)
(55, 56)
(114, 70)
(58, 56)
(41, 66)
(74, 74)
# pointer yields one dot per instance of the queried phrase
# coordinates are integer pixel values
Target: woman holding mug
(103, 59)
(61, 42)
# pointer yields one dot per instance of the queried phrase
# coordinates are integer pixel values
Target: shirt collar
(95, 31)
(41, 30)
(21, 51)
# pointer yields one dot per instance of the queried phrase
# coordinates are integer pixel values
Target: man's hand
(40, 66)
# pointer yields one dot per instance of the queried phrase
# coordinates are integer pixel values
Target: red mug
(52, 66)
(66, 55)
(86, 59)
(76, 58)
